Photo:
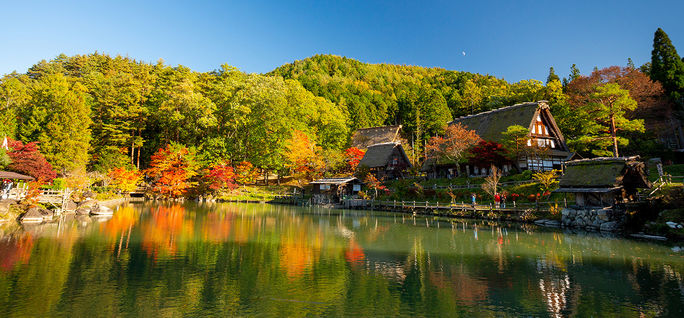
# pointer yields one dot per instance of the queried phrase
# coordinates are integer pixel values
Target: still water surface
(255, 260)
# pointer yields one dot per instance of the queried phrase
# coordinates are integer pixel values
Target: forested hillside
(98, 112)
(419, 98)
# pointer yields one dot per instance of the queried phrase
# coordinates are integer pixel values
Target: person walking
(473, 198)
(497, 200)
(503, 200)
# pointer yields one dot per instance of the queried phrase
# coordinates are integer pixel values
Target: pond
(259, 259)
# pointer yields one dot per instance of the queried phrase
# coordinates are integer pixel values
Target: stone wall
(588, 218)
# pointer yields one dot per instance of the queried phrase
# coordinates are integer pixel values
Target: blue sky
(510, 39)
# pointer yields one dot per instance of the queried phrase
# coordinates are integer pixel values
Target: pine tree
(574, 73)
(630, 63)
(666, 66)
(552, 76)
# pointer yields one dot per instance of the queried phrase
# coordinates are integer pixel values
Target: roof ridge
(378, 127)
(499, 109)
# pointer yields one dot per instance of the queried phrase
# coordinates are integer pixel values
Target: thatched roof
(365, 137)
(378, 155)
(14, 176)
(489, 125)
(604, 172)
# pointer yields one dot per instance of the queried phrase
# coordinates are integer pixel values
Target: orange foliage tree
(301, 157)
(374, 184)
(172, 169)
(245, 173)
(353, 157)
(125, 180)
(453, 146)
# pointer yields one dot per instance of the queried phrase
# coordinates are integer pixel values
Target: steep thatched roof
(378, 155)
(489, 125)
(365, 137)
(605, 173)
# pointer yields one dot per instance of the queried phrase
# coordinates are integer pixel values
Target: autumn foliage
(353, 156)
(125, 180)
(301, 156)
(453, 145)
(172, 169)
(221, 176)
(245, 173)
(28, 160)
(488, 153)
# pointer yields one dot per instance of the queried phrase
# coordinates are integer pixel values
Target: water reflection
(172, 260)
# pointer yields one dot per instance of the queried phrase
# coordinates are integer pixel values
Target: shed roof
(365, 137)
(14, 176)
(490, 124)
(604, 172)
(334, 180)
(378, 155)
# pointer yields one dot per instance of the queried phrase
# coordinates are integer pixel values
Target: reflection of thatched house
(386, 160)
(604, 181)
(333, 189)
(365, 137)
(544, 133)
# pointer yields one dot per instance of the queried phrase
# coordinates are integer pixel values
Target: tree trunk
(265, 177)
(613, 134)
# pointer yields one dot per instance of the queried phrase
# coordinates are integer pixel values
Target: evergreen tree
(574, 72)
(552, 76)
(667, 67)
(630, 63)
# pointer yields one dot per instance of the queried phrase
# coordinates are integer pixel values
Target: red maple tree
(221, 176)
(353, 156)
(27, 159)
(487, 153)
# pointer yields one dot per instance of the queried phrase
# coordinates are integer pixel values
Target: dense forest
(96, 112)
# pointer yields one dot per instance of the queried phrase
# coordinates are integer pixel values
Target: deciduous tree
(453, 146)
(172, 169)
(28, 160)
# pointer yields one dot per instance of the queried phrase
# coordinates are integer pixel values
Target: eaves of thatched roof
(378, 155)
(604, 172)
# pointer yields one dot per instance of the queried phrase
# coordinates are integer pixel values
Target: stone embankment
(593, 219)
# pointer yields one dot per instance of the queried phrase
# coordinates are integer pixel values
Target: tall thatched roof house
(536, 116)
(386, 160)
(366, 137)
(603, 181)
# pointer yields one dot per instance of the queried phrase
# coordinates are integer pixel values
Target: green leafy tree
(608, 105)
(60, 120)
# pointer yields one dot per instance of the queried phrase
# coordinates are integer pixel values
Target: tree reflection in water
(231, 259)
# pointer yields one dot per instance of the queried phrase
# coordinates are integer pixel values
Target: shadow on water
(251, 259)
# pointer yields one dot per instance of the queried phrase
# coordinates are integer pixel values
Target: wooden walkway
(436, 207)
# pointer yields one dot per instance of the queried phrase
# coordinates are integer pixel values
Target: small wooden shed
(604, 181)
(386, 160)
(336, 188)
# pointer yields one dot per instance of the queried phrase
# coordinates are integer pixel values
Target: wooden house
(332, 190)
(544, 135)
(366, 137)
(604, 181)
(386, 160)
